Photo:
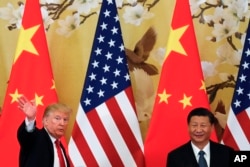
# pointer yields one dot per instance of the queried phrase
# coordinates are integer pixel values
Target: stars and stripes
(237, 134)
(106, 131)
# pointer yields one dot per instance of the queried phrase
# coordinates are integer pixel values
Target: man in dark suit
(200, 125)
(37, 146)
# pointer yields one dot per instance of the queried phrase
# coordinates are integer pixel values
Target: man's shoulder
(181, 149)
(220, 146)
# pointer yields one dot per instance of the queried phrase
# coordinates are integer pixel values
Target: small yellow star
(203, 86)
(24, 41)
(38, 100)
(186, 101)
(164, 96)
(174, 43)
(53, 84)
(15, 96)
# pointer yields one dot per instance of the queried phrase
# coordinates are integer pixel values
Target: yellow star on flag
(203, 86)
(164, 96)
(25, 43)
(15, 96)
(38, 100)
(53, 84)
(174, 43)
(186, 101)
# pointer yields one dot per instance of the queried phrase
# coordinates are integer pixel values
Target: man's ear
(45, 121)
(213, 127)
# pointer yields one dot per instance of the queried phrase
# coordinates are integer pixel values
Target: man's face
(56, 123)
(200, 130)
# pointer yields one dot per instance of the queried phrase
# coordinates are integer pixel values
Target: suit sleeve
(24, 137)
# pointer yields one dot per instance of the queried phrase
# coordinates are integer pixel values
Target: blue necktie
(202, 161)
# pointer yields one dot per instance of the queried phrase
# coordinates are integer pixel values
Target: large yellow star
(15, 96)
(186, 101)
(38, 100)
(164, 96)
(174, 43)
(24, 41)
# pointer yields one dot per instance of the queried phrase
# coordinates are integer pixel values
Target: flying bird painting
(137, 58)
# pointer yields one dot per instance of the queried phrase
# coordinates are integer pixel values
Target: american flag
(106, 131)
(237, 133)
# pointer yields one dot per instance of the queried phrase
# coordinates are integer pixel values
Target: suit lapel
(190, 154)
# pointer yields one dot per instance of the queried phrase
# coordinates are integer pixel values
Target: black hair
(201, 112)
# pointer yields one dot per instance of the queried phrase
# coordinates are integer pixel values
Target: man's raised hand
(28, 107)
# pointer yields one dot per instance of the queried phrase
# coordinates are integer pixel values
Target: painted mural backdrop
(70, 24)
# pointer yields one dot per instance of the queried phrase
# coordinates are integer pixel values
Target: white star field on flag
(106, 131)
(108, 73)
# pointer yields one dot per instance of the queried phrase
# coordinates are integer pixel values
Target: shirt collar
(51, 137)
(205, 149)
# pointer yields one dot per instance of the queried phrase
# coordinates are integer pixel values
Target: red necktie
(59, 153)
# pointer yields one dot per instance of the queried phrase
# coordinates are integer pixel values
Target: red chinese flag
(31, 75)
(181, 88)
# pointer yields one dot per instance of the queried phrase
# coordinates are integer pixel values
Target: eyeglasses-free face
(200, 130)
(56, 123)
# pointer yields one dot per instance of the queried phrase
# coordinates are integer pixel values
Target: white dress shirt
(205, 149)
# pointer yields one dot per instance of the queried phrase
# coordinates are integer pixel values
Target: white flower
(227, 55)
(84, 6)
(131, 1)
(218, 15)
(227, 2)
(239, 9)
(68, 25)
(209, 69)
(6, 12)
(14, 16)
(135, 15)
(50, 1)
(195, 5)
(47, 20)
(120, 2)
(225, 30)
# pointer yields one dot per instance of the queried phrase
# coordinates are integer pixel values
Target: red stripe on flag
(125, 131)
(104, 138)
(229, 139)
(244, 122)
(83, 147)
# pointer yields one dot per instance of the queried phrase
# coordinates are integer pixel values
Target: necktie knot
(57, 142)
(202, 160)
(201, 153)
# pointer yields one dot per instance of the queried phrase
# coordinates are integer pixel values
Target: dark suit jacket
(183, 156)
(36, 148)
